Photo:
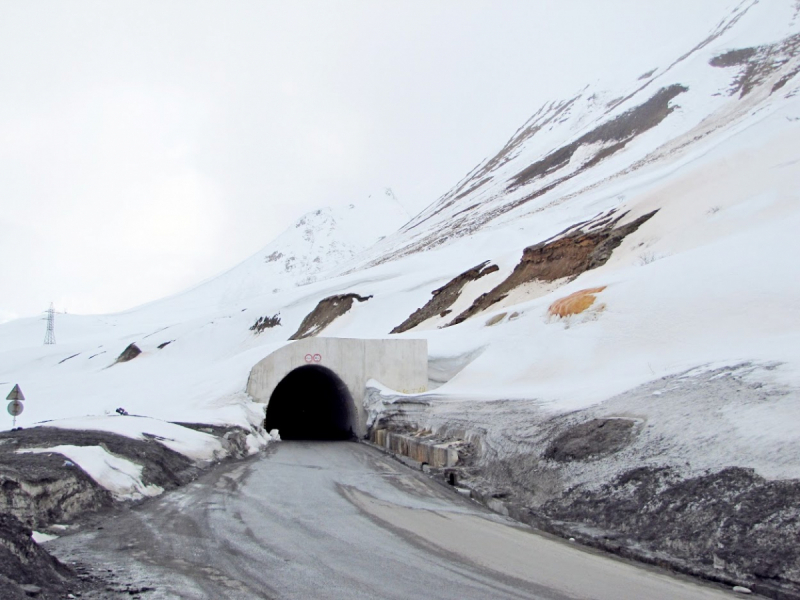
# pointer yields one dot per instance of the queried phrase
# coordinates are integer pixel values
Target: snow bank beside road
(189, 442)
(121, 477)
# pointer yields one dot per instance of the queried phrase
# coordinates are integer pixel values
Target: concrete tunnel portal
(314, 388)
(312, 403)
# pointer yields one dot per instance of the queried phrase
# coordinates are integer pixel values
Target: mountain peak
(319, 241)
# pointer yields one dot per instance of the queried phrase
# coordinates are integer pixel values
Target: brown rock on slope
(567, 256)
(445, 296)
(326, 312)
(131, 352)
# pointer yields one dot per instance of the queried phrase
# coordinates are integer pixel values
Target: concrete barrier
(416, 447)
(399, 364)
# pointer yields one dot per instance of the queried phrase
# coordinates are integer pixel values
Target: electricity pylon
(50, 336)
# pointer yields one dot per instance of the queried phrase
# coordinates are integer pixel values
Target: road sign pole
(15, 406)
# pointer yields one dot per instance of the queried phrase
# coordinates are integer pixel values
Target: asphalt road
(333, 520)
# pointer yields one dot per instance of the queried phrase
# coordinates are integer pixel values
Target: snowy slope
(571, 141)
(708, 139)
(316, 243)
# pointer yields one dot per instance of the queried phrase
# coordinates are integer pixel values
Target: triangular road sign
(15, 394)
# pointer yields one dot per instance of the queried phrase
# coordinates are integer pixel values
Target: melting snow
(712, 279)
(121, 477)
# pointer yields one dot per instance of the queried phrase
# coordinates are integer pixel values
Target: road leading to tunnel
(339, 520)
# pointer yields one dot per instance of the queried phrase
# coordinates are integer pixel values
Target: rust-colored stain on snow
(574, 304)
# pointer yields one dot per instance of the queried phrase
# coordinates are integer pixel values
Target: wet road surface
(339, 520)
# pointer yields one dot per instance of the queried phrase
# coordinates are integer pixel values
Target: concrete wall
(421, 450)
(398, 364)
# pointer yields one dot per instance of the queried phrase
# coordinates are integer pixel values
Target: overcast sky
(145, 146)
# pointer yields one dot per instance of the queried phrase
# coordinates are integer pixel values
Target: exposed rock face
(543, 118)
(62, 361)
(445, 296)
(41, 489)
(263, 323)
(131, 352)
(24, 566)
(759, 63)
(595, 438)
(567, 256)
(611, 136)
(447, 221)
(326, 312)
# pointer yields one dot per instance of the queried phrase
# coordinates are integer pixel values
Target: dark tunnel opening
(311, 403)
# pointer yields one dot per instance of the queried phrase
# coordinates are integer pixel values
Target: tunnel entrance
(311, 403)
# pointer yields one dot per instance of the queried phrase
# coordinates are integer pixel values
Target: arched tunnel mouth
(311, 403)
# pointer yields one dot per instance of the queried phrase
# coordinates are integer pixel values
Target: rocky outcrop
(609, 137)
(564, 257)
(543, 176)
(131, 352)
(758, 64)
(25, 568)
(445, 296)
(40, 489)
(263, 323)
(326, 312)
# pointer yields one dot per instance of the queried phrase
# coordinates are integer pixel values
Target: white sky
(147, 145)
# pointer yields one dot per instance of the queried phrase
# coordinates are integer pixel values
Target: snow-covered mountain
(318, 242)
(624, 244)
(705, 144)
(615, 139)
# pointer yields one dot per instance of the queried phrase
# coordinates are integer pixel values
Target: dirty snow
(121, 477)
(189, 442)
(41, 538)
(711, 281)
